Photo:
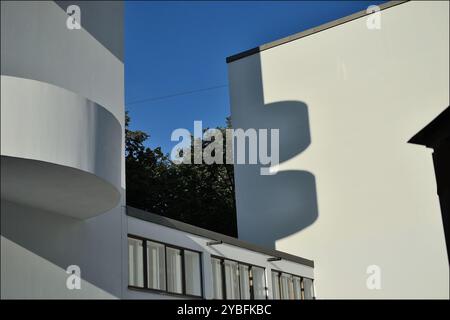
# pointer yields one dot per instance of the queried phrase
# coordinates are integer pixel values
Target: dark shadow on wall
(50, 242)
(271, 207)
(103, 20)
(436, 135)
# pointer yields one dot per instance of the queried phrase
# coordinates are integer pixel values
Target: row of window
(157, 266)
(236, 280)
(288, 286)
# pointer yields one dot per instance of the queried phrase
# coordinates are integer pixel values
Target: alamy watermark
(255, 141)
(74, 279)
(373, 281)
(373, 21)
(73, 21)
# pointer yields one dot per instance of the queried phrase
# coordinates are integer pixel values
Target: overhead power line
(151, 99)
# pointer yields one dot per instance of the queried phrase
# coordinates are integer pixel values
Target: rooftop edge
(311, 31)
(181, 226)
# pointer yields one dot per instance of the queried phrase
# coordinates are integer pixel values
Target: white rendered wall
(36, 44)
(38, 246)
(351, 191)
(63, 111)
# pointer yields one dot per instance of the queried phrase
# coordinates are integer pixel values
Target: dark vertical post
(144, 255)
(441, 160)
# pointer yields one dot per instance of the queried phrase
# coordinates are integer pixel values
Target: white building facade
(172, 259)
(63, 209)
(351, 193)
(62, 166)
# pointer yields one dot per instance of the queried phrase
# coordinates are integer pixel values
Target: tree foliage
(198, 194)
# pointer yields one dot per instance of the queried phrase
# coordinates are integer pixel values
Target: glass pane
(217, 278)
(192, 273)
(156, 266)
(174, 276)
(244, 279)
(275, 285)
(259, 283)
(135, 262)
(291, 287)
(308, 287)
(231, 280)
(287, 287)
(297, 288)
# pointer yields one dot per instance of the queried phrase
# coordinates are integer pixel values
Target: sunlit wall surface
(351, 193)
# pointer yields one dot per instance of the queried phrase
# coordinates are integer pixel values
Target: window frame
(146, 284)
(222, 278)
(302, 288)
(200, 258)
(183, 269)
(143, 267)
(222, 270)
(266, 289)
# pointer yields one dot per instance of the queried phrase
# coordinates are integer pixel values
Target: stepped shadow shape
(273, 207)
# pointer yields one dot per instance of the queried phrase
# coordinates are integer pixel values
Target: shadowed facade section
(286, 202)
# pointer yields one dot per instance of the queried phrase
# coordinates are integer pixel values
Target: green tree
(198, 194)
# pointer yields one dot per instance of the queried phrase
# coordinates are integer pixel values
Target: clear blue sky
(179, 47)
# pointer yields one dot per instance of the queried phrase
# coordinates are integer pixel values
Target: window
(231, 279)
(166, 268)
(156, 266)
(217, 278)
(287, 290)
(135, 262)
(308, 288)
(236, 280)
(284, 293)
(174, 270)
(297, 288)
(193, 273)
(288, 286)
(258, 282)
(276, 285)
(244, 281)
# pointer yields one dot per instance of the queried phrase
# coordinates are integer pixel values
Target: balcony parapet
(60, 151)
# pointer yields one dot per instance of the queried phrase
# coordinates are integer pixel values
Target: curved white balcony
(60, 152)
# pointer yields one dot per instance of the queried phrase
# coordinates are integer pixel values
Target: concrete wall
(36, 44)
(185, 240)
(351, 192)
(37, 247)
(62, 121)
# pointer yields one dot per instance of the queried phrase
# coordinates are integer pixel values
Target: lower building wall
(37, 247)
(152, 231)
